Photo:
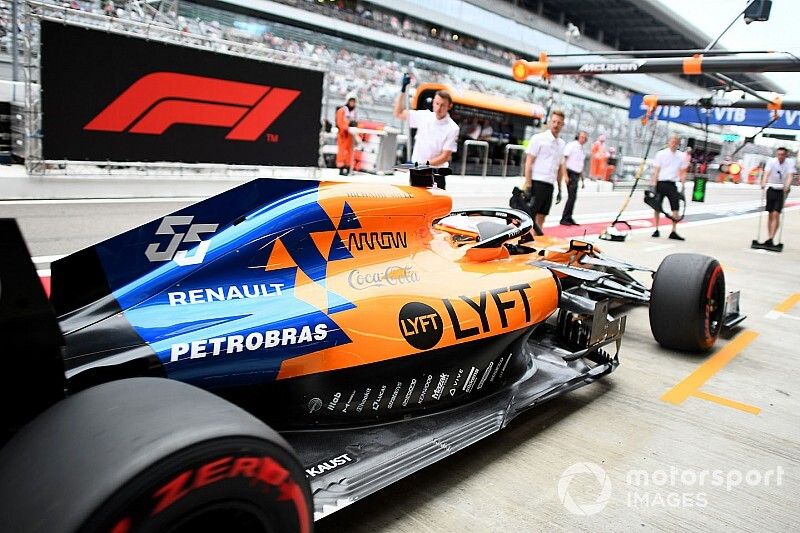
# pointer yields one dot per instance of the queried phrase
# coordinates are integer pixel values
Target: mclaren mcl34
(267, 356)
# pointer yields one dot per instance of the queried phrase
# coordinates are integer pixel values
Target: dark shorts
(542, 197)
(775, 200)
(668, 189)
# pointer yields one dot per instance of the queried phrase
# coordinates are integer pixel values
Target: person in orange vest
(597, 167)
(755, 173)
(345, 118)
(736, 173)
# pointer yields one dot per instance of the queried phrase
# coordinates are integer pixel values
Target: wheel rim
(224, 516)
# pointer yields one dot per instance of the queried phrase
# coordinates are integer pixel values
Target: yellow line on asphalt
(753, 410)
(788, 303)
(692, 383)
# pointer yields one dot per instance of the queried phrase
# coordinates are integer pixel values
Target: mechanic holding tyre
(669, 166)
(777, 178)
(544, 166)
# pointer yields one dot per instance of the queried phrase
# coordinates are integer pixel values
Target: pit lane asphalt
(510, 481)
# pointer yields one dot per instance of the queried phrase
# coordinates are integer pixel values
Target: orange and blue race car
(272, 354)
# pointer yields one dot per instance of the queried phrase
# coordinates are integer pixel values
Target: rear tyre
(151, 455)
(687, 302)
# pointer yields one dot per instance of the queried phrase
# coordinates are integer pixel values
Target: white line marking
(42, 259)
(756, 251)
(659, 247)
(641, 223)
(707, 222)
(632, 216)
(180, 199)
(774, 315)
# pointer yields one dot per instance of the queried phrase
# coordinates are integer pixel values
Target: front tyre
(687, 302)
(151, 455)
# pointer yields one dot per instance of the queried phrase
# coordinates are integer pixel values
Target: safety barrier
(479, 144)
(510, 148)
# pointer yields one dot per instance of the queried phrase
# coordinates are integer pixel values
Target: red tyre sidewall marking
(260, 470)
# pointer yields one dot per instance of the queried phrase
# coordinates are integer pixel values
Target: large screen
(109, 97)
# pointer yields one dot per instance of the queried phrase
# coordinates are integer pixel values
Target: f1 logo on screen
(172, 103)
(156, 101)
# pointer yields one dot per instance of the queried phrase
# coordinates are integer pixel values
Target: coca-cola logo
(391, 276)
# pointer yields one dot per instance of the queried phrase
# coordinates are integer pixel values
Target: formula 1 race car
(687, 288)
(366, 323)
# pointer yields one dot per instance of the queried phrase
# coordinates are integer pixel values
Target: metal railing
(465, 148)
(511, 148)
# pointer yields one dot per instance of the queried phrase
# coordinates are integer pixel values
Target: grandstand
(365, 46)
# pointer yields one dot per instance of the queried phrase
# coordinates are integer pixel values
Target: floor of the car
(345, 465)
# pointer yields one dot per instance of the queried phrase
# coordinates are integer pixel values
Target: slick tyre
(687, 302)
(151, 455)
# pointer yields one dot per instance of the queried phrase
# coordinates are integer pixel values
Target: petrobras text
(251, 342)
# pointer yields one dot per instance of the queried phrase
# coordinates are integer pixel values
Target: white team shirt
(433, 135)
(670, 163)
(778, 173)
(548, 152)
(575, 156)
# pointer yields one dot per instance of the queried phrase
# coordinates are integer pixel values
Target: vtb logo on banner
(157, 101)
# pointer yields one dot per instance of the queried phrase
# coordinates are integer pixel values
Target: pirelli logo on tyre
(167, 102)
